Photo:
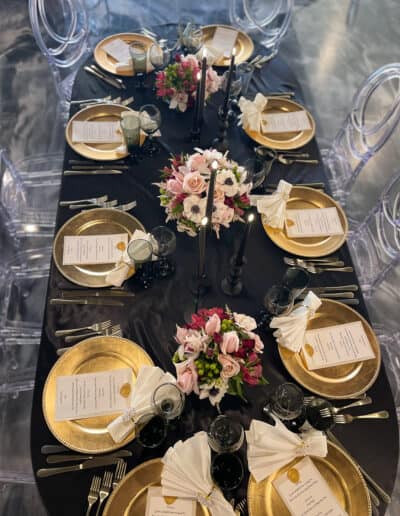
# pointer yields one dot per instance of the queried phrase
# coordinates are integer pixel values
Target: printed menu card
(96, 132)
(94, 249)
(305, 492)
(285, 122)
(336, 345)
(86, 395)
(224, 40)
(158, 505)
(313, 223)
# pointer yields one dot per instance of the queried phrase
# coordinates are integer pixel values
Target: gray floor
(331, 56)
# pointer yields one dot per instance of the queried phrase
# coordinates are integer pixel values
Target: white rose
(245, 321)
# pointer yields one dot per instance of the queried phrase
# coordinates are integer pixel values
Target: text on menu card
(96, 132)
(313, 223)
(224, 40)
(81, 396)
(305, 492)
(157, 505)
(94, 249)
(294, 121)
(336, 345)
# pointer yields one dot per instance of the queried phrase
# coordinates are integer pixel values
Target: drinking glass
(277, 301)
(130, 126)
(244, 71)
(150, 122)
(159, 57)
(313, 414)
(256, 171)
(225, 435)
(168, 401)
(151, 430)
(227, 471)
(138, 52)
(140, 251)
(287, 401)
(296, 279)
(190, 35)
(234, 92)
(164, 240)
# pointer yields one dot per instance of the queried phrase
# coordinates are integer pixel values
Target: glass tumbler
(130, 126)
(225, 435)
(138, 52)
(168, 401)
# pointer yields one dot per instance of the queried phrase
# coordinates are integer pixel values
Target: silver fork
(330, 411)
(86, 101)
(108, 204)
(343, 419)
(114, 331)
(304, 263)
(319, 270)
(95, 200)
(105, 489)
(126, 207)
(119, 474)
(93, 493)
(241, 506)
(94, 327)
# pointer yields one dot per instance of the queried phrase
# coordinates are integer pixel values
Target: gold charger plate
(129, 498)
(89, 356)
(288, 140)
(338, 470)
(97, 221)
(302, 197)
(97, 113)
(244, 45)
(107, 62)
(338, 382)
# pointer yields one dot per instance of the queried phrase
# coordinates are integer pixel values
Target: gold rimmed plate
(97, 113)
(92, 355)
(287, 140)
(303, 198)
(339, 471)
(130, 497)
(244, 46)
(107, 62)
(97, 221)
(337, 382)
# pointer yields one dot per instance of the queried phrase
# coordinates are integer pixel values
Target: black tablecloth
(150, 317)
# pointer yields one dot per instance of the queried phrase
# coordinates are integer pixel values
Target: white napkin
(252, 112)
(122, 268)
(148, 379)
(212, 55)
(186, 474)
(291, 329)
(273, 206)
(271, 447)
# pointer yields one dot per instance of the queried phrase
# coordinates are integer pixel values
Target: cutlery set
(94, 172)
(104, 100)
(98, 202)
(96, 462)
(100, 74)
(73, 335)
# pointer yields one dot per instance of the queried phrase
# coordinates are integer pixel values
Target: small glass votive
(287, 402)
(138, 52)
(227, 471)
(168, 401)
(296, 280)
(140, 251)
(225, 435)
(130, 126)
(151, 430)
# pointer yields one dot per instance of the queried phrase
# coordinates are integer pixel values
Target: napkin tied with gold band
(273, 207)
(269, 448)
(252, 111)
(291, 329)
(186, 474)
(148, 379)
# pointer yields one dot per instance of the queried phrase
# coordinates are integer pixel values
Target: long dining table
(150, 317)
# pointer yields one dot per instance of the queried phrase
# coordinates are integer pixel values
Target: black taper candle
(210, 193)
(202, 247)
(195, 133)
(228, 85)
(202, 93)
(242, 247)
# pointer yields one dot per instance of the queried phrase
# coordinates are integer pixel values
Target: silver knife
(56, 459)
(95, 293)
(94, 172)
(108, 80)
(53, 448)
(107, 76)
(98, 462)
(86, 301)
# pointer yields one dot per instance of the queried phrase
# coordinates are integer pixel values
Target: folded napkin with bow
(148, 379)
(273, 206)
(252, 111)
(186, 474)
(291, 329)
(269, 448)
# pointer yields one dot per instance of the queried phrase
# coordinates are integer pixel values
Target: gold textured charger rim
(106, 62)
(126, 489)
(243, 41)
(356, 494)
(68, 432)
(295, 139)
(96, 151)
(74, 273)
(360, 375)
(319, 246)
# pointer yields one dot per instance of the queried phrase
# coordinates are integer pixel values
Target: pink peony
(213, 325)
(174, 186)
(187, 379)
(230, 367)
(230, 342)
(193, 183)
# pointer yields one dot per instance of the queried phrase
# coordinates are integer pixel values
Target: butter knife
(86, 301)
(56, 459)
(92, 172)
(98, 462)
(100, 166)
(95, 293)
(108, 80)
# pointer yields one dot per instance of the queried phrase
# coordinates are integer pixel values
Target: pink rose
(258, 343)
(197, 162)
(186, 374)
(181, 334)
(193, 183)
(230, 367)
(230, 342)
(213, 325)
(219, 195)
(174, 186)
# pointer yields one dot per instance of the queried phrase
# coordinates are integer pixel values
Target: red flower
(229, 202)
(178, 58)
(217, 338)
(240, 353)
(251, 375)
(197, 322)
(244, 198)
(248, 343)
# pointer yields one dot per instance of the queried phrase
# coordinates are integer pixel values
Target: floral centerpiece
(177, 83)
(184, 186)
(218, 353)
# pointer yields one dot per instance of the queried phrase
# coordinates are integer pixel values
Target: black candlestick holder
(232, 284)
(221, 141)
(194, 135)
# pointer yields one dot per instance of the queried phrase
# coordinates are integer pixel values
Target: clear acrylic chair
(61, 31)
(18, 358)
(19, 498)
(371, 122)
(29, 192)
(266, 21)
(375, 244)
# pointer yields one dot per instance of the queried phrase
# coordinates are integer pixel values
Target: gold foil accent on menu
(293, 475)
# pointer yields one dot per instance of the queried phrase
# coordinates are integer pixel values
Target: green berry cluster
(207, 368)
